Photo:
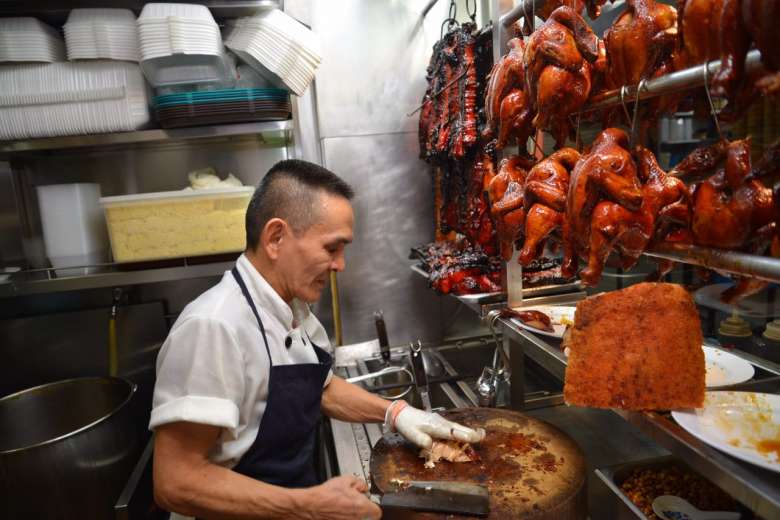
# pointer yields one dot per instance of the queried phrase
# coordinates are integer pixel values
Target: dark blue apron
(283, 451)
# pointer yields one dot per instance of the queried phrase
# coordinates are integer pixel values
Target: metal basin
(403, 383)
(66, 448)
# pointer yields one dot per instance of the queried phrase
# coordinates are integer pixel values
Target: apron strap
(242, 285)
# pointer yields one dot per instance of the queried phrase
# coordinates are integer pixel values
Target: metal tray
(614, 504)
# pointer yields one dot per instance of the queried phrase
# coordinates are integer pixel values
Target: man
(244, 373)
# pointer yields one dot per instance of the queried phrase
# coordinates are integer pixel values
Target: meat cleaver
(440, 497)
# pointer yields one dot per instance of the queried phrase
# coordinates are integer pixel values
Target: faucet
(381, 334)
(494, 378)
(420, 376)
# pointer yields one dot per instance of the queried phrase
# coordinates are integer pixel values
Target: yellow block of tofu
(175, 224)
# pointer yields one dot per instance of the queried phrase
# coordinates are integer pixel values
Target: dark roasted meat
(457, 268)
(535, 319)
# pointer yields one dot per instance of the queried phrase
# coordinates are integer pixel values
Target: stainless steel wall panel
(375, 56)
(393, 211)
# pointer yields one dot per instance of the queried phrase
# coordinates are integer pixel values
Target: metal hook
(642, 86)
(472, 15)
(453, 11)
(577, 143)
(623, 91)
(450, 23)
(713, 112)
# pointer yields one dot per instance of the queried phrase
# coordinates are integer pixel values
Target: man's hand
(342, 498)
(418, 427)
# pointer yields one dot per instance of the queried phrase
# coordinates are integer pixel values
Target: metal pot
(67, 448)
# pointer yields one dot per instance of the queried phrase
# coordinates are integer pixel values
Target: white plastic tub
(74, 232)
(176, 224)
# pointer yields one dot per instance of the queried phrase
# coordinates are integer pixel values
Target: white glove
(418, 427)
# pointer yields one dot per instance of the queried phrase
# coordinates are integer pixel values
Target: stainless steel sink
(452, 369)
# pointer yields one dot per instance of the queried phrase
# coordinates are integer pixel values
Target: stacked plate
(279, 47)
(102, 33)
(29, 39)
(71, 98)
(181, 44)
(221, 106)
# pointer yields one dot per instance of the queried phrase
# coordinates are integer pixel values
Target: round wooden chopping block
(532, 469)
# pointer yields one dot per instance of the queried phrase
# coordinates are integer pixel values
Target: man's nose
(338, 264)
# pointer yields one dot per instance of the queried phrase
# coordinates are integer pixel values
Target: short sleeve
(200, 375)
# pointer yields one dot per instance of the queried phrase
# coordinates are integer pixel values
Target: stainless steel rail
(667, 84)
(520, 10)
(763, 267)
(141, 137)
(22, 284)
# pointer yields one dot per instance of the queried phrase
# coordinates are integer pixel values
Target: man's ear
(272, 236)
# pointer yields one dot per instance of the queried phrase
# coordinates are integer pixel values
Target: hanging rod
(518, 11)
(668, 84)
(762, 267)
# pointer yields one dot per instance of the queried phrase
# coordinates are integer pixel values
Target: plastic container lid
(180, 195)
(162, 10)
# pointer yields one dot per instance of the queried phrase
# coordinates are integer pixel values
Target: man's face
(306, 259)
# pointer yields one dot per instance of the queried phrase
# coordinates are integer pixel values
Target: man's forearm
(186, 482)
(348, 402)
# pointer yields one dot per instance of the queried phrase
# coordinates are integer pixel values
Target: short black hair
(290, 191)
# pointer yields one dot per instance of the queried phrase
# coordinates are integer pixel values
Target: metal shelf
(755, 487)
(141, 137)
(39, 281)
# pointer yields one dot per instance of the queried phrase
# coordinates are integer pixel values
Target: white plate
(724, 368)
(746, 425)
(555, 312)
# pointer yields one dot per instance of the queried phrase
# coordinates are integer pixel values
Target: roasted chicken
(451, 451)
(760, 17)
(594, 7)
(607, 172)
(516, 116)
(731, 208)
(640, 45)
(640, 42)
(724, 29)
(507, 74)
(546, 188)
(505, 193)
(665, 205)
(558, 72)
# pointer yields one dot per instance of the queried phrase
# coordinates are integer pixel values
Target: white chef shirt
(213, 367)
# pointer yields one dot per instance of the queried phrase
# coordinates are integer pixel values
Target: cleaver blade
(440, 497)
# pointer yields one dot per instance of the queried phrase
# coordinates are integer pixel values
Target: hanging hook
(623, 91)
(453, 12)
(713, 112)
(450, 23)
(642, 86)
(577, 143)
(472, 14)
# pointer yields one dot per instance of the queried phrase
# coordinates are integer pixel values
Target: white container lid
(179, 196)
(163, 10)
